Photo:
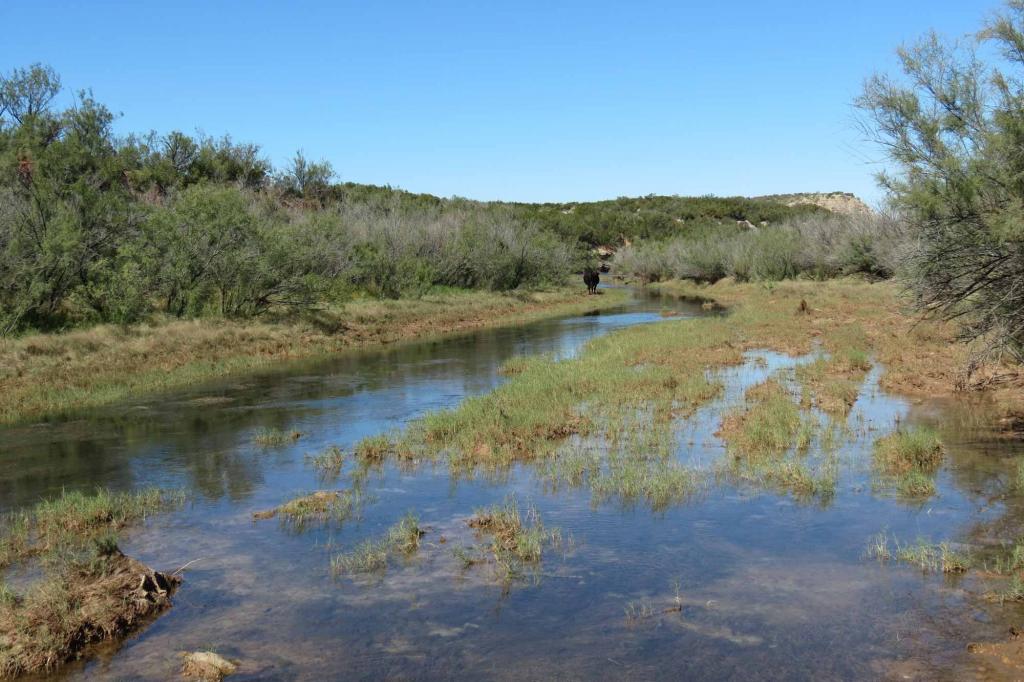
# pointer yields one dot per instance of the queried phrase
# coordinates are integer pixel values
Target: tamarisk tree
(953, 126)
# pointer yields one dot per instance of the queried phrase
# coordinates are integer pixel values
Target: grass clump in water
(374, 448)
(916, 449)
(928, 557)
(319, 507)
(915, 484)
(660, 483)
(909, 459)
(272, 438)
(833, 384)
(934, 558)
(329, 463)
(768, 427)
(371, 556)
(515, 541)
(798, 479)
(96, 593)
(634, 461)
(761, 438)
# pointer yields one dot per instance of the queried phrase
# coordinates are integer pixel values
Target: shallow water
(740, 582)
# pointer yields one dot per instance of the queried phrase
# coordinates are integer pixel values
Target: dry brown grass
(920, 357)
(51, 374)
(86, 590)
(102, 598)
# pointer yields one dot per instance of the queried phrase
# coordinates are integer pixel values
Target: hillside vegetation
(97, 228)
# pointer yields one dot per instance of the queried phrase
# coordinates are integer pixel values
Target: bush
(952, 128)
(815, 247)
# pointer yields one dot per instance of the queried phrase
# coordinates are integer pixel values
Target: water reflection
(201, 438)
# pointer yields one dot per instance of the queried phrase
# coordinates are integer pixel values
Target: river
(737, 583)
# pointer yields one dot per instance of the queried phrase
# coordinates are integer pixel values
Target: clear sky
(537, 101)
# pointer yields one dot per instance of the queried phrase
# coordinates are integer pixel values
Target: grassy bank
(85, 590)
(46, 375)
(855, 320)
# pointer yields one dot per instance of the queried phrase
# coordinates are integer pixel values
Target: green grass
(928, 557)
(74, 518)
(329, 463)
(371, 556)
(768, 427)
(405, 535)
(915, 484)
(630, 458)
(515, 366)
(86, 589)
(940, 558)
(878, 547)
(798, 479)
(604, 418)
(273, 437)
(547, 401)
(1002, 568)
(833, 384)
(1013, 592)
(374, 448)
(368, 556)
(917, 448)
(660, 484)
(468, 556)
(14, 537)
(909, 459)
(768, 440)
(318, 507)
(516, 538)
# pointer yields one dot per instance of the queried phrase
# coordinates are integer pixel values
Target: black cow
(591, 279)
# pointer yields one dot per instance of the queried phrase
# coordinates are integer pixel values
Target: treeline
(952, 127)
(657, 217)
(814, 246)
(97, 228)
(94, 228)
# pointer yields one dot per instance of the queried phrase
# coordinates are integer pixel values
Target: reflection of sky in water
(769, 587)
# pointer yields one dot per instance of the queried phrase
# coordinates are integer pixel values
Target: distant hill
(625, 218)
(657, 217)
(844, 203)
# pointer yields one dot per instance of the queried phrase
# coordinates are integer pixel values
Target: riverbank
(46, 375)
(922, 358)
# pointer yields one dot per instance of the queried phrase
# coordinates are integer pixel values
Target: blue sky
(537, 101)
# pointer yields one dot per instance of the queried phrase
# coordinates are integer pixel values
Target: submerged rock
(206, 665)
